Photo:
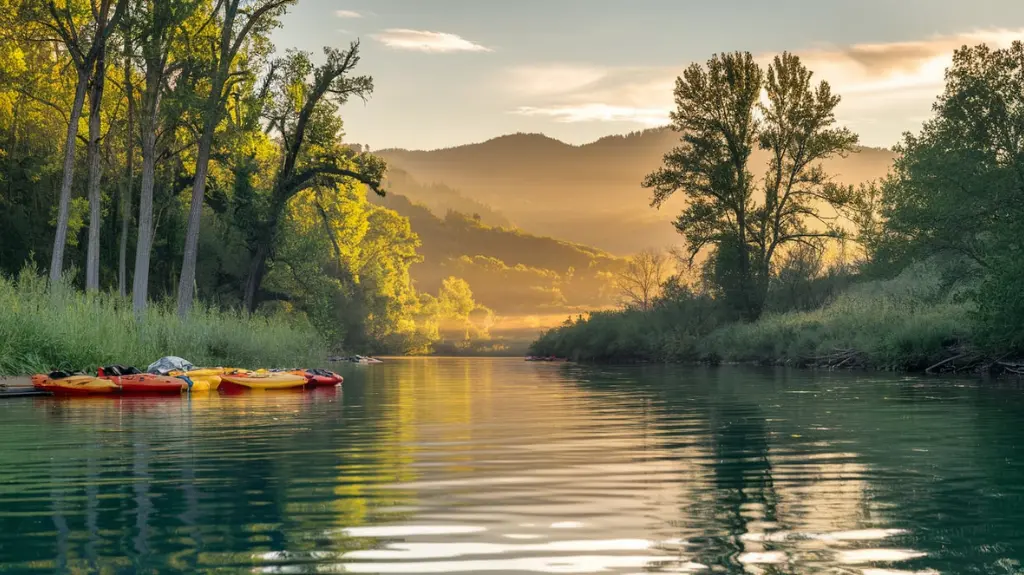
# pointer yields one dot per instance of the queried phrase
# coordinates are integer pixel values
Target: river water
(504, 466)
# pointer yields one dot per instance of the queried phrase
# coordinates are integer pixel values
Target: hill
(512, 272)
(589, 194)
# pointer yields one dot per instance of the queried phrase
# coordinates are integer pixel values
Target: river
(503, 466)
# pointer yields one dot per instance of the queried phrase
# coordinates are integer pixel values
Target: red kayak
(133, 381)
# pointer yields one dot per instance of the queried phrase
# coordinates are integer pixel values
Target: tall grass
(907, 323)
(43, 329)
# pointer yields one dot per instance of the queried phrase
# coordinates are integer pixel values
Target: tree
(160, 24)
(957, 188)
(303, 116)
(129, 165)
(722, 121)
(239, 20)
(85, 37)
(641, 281)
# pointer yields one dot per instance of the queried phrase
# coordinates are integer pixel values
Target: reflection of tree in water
(743, 486)
(139, 486)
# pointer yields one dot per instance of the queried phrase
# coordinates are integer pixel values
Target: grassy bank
(41, 330)
(907, 323)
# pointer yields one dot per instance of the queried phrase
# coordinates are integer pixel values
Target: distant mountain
(440, 198)
(590, 194)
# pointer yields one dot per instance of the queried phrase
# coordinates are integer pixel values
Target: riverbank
(914, 322)
(42, 330)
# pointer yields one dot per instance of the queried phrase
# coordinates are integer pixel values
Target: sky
(453, 72)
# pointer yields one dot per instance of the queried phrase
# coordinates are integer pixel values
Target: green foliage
(671, 331)
(957, 189)
(907, 323)
(43, 329)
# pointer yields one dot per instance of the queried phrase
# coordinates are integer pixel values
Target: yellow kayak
(203, 379)
(254, 380)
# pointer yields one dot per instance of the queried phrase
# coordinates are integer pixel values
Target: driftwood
(838, 359)
(944, 362)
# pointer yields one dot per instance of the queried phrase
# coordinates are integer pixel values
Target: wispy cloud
(427, 41)
(599, 113)
(878, 83)
(347, 14)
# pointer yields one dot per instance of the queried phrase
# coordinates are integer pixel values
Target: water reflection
(437, 466)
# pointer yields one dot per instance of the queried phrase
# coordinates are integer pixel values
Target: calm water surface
(502, 466)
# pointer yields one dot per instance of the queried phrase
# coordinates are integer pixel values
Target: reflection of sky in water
(429, 466)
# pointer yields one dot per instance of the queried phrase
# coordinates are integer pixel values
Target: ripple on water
(492, 466)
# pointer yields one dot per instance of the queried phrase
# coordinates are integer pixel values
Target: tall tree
(957, 188)
(303, 115)
(129, 164)
(96, 85)
(85, 37)
(719, 113)
(161, 22)
(239, 20)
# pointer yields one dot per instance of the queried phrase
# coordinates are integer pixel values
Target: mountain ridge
(590, 194)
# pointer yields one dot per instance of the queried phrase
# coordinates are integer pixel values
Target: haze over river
(442, 465)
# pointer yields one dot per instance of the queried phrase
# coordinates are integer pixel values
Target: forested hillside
(509, 271)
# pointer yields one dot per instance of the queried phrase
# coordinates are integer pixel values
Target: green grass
(43, 329)
(907, 323)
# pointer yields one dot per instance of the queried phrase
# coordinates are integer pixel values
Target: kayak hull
(253, 381)
(74, 385)
(318, 379)
(146, 383)
(205, 379)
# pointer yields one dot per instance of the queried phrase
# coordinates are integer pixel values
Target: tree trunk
(92, 263)
(129, 169)
(140, 286)
(256, 270)
(64, 208)
(150, 117)
(187, 280)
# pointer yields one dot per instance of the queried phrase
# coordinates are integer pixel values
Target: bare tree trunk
(140, 286)
(64, 208)
(150, 117)
(186, 282)
(92, 263)
(129, 169)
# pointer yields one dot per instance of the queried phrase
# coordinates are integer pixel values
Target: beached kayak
(203, 379)
(132, 381)
(59, 383)
(257, 380)
(318, 377)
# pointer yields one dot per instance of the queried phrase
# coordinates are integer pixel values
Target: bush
(906, 323)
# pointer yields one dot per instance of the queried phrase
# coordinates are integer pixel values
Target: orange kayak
(133, 381)
(59, 383)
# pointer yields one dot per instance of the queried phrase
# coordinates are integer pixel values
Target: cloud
(882, 85)
(651, 117)
(426, 41)
(347, 14)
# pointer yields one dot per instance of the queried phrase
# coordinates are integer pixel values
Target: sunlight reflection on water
(501, 466)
